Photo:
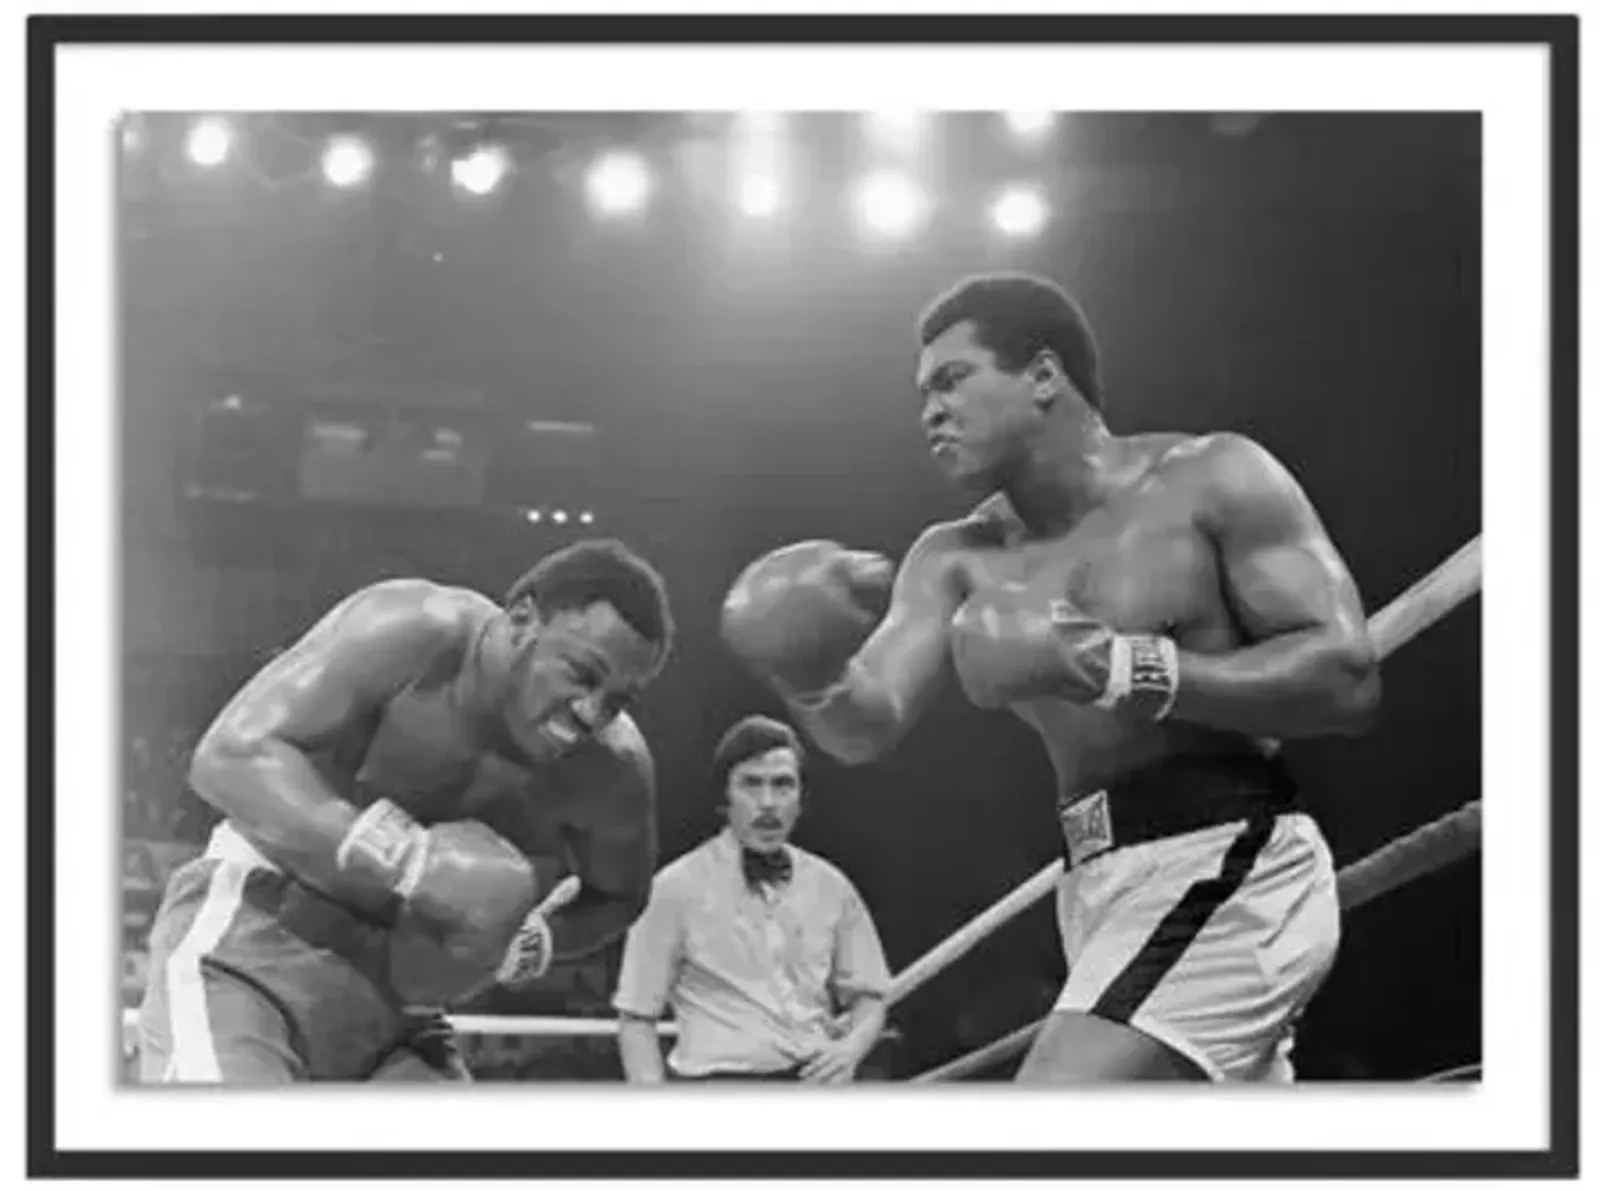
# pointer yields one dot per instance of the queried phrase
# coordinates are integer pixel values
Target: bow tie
(766, 868)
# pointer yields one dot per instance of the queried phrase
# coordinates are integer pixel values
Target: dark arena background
(361, 346)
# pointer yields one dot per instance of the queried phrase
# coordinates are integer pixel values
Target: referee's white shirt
(754, 979)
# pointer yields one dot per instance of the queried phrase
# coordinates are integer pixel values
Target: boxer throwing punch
(1152, 606)
(384, 781)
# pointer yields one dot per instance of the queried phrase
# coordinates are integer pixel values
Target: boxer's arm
(613, 847)
(898, 669)
(252, 764)
(1312, 670)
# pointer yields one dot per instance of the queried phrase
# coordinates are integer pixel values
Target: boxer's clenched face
(978, 418)
(570, 673)
(764, 799)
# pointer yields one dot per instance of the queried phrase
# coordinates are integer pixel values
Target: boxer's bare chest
(1141, 563)
(420, 752)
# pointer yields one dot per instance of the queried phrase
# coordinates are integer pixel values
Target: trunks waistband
(1175, 796)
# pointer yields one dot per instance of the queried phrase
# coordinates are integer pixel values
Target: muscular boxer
(385, 781)
(1156, 607)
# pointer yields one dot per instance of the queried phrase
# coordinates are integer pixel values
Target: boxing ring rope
(1430, 847)
(1414, 855)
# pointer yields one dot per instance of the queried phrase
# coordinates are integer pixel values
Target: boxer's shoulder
(445, 609)
(420, 609)
(990, 524)
(946, 541)
(1230, 475)
(1204, 458)
(416, 622)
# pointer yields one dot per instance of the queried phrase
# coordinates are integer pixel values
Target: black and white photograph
(931, 575)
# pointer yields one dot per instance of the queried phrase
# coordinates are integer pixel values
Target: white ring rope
(540, 1027)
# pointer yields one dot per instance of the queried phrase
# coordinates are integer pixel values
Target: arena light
(586, 517)
(559, 516)
(1030, 126)
(1020, 211)
(480, 171)
(618, 183)
(759, 161)
(210, 141)
(890, 203)
(533, 516)
(759, 195)
(346, 161)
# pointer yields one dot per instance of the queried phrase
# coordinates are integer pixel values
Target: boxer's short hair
(601, 569)
(751, 737)
(1017, 316)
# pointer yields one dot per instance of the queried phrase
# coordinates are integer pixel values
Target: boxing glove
(796, 616)
(1011, 643)
(463, 891)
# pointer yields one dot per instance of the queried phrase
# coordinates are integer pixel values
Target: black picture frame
(1558, 34)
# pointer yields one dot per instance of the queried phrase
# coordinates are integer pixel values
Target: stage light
(891, 203)
(559, 516)
(758, 195)
(618, 183)
(1030, 126)
(534, 516)
(586, 517)
(758, 158)
(347, 161)
(210, 141)
(480, 171)
(1019, 212)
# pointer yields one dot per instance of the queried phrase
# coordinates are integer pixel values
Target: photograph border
(1557, 33)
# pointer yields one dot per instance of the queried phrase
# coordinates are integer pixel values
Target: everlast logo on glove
(1144, 676)
(1152, 674)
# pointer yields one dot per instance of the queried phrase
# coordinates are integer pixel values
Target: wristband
(387, 842)
(1143, 677)
(528, 956)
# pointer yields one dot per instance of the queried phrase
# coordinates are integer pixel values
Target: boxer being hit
(384, 782)
(1157, 608)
